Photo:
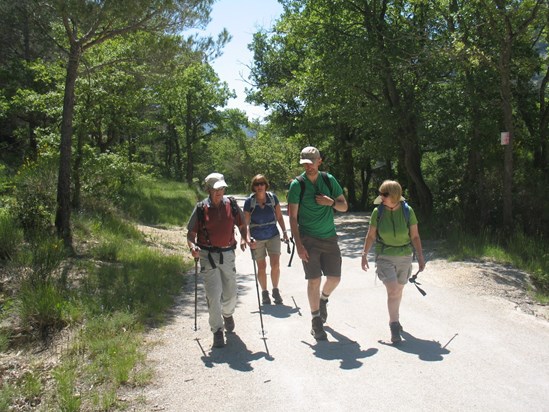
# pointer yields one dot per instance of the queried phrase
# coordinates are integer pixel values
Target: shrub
(42, 308)
(11, 236)
(109, 175)
(43, 258)
(35, 196)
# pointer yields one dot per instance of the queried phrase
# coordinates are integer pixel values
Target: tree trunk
(506, 104)
(365, 177)
(347, 137)
(407, 137)
(63, 214)
(412, 161)
(541, 157)
(76, 203)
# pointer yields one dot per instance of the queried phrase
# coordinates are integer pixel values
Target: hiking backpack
(301, 181)
(201, 213)
(405, 210)
(270, 202)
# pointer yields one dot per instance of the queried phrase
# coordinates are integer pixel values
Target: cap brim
(303, 161)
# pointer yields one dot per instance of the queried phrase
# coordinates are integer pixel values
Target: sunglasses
(384, 194)
(260, 184)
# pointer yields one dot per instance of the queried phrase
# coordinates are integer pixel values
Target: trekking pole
(416, 283)
(257, 290)
(293, 251)
(195, 290)
(288, 249)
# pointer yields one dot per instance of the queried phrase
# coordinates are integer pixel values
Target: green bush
(43, 256)
(109, 175)
(42, 308)
(11, 236)
(35, 196)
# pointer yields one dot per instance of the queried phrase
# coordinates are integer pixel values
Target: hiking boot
(276, 296)
(229, 323)
(219, 340)
(317, 329)
(265, 297)
(323, 310)
(396, 328)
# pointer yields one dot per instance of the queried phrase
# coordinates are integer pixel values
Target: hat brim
(305, 161)
(219, 185)
(379, 200)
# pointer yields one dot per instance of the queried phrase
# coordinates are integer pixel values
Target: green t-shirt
(314, 219)
(393, 232)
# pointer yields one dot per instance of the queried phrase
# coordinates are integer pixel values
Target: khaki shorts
(324, 257)
(270, 246)
(391, 268)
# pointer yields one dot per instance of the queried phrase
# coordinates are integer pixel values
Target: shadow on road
(347, 351)
(235, 354)
(426, 350)
(279, 311)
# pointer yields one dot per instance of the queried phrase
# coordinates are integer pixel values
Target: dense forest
(94, 92)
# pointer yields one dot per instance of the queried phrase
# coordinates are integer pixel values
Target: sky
(241, 18)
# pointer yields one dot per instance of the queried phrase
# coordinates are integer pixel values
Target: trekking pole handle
(252, 240)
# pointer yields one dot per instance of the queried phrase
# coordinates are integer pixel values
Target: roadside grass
(156, 202)
(104, 299)
(525, 253)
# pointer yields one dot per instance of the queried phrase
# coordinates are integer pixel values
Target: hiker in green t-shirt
(393, 226)
(311, 211)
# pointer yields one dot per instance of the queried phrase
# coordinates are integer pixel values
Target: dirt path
(475, 342)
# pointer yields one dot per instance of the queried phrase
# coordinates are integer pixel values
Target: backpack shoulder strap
(406, 211)
(380, 209)
(253, 203)
(234, 205)
(270, 199)
(201, 212)
(301, 181)
(327, 181)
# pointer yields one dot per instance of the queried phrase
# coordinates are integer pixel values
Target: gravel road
(475, 342)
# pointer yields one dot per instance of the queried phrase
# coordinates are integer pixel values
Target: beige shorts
(391, 268)
(269, 246)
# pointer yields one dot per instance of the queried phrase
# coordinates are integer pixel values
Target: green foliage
(144, 282)
(4, 341)
(111, 346)
(42, 256)
(67, 397)
(108, 176)
(26, 389)
(524, 252)
(11, 236)
(153, 201)
(35, 196)
(7, 394)
(43, 308)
